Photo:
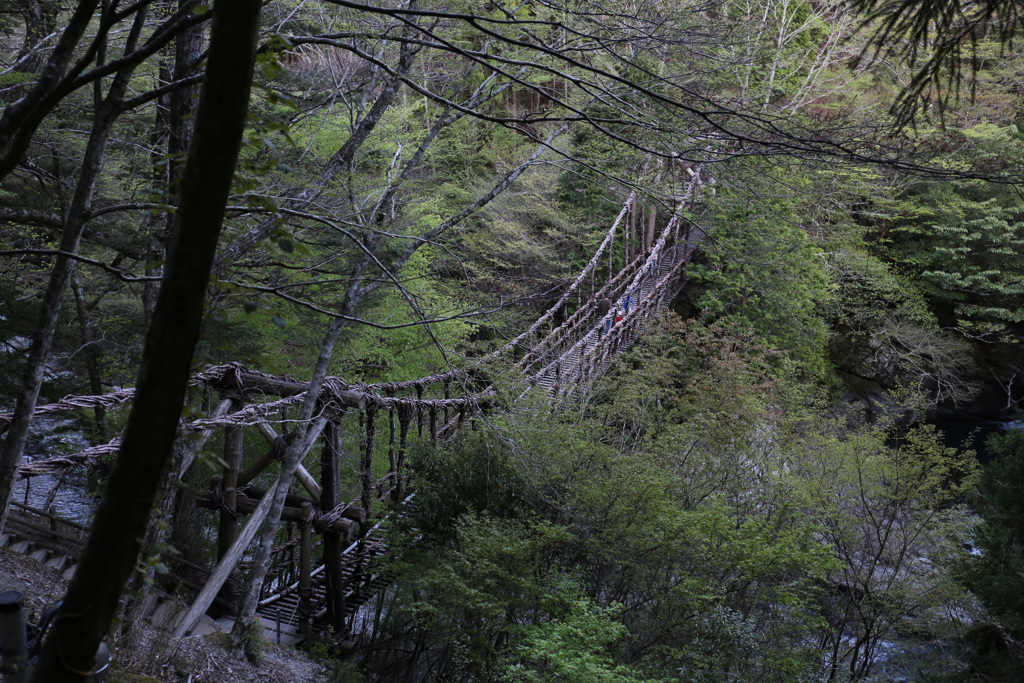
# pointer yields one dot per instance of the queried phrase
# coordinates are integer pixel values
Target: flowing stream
(68, 491)
(49, 436)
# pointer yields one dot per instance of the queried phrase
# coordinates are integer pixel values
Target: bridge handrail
(636, 313)
(581, 318)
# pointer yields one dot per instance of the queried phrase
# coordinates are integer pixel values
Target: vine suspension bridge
(297, 596)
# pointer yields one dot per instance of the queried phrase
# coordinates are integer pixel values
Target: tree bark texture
(39, 353)
(292, 458)
(112, 550)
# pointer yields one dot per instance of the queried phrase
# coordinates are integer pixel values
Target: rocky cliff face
(981, 381)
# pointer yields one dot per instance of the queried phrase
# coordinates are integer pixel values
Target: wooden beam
(244, 504)
(301, 473)
(252, 382)
(224, 566)
(308, 483)
(352, 511)
(227, 529)
(275, 453)
(305, 550)
(330, 473)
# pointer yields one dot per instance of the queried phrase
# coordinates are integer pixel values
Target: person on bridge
(626, 304)
(603, 307)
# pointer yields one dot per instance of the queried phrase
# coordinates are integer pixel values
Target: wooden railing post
(392, 465)
(419, 411)
(52, 512)
(405, 415)
(366, 462)
(447, 395)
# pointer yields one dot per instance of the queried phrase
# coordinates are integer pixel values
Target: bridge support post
(404, 418)
(419, 411)
(330, 498)
(447, 395)
(305, 568)
(227, 530)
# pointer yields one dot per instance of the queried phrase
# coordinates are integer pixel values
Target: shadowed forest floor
(157, 657)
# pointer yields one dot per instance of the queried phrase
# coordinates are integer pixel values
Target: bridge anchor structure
(330, 559)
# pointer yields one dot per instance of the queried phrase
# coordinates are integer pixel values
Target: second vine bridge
(296, 595)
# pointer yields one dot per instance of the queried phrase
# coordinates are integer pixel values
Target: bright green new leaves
(763, 270)
(964, 244)
(578, 647)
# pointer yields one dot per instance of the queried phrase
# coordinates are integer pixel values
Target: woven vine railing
(384, 416)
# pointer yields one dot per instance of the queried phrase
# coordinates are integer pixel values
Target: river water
(51, 436)
(68, 491)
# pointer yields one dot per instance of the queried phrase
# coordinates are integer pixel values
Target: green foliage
(578, 647)
(474, 594)
(764, 271)
(525, 240)
(651, 499)
(888, 500)
(473, 475)
(14, 78)
(884, 331)
(408, 352)
(964, 245)
(996, 574)
(584, 187)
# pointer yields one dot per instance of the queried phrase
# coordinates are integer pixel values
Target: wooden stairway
(51, 540)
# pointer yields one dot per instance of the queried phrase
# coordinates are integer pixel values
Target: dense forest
(760, 488)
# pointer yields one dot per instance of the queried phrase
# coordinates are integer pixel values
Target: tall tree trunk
(140, 582)
(154, 226)
(40, 21)
(110, 555)
(91, 352)
(292, 456)
(175, 114)
(330, 498)
(74, 224)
